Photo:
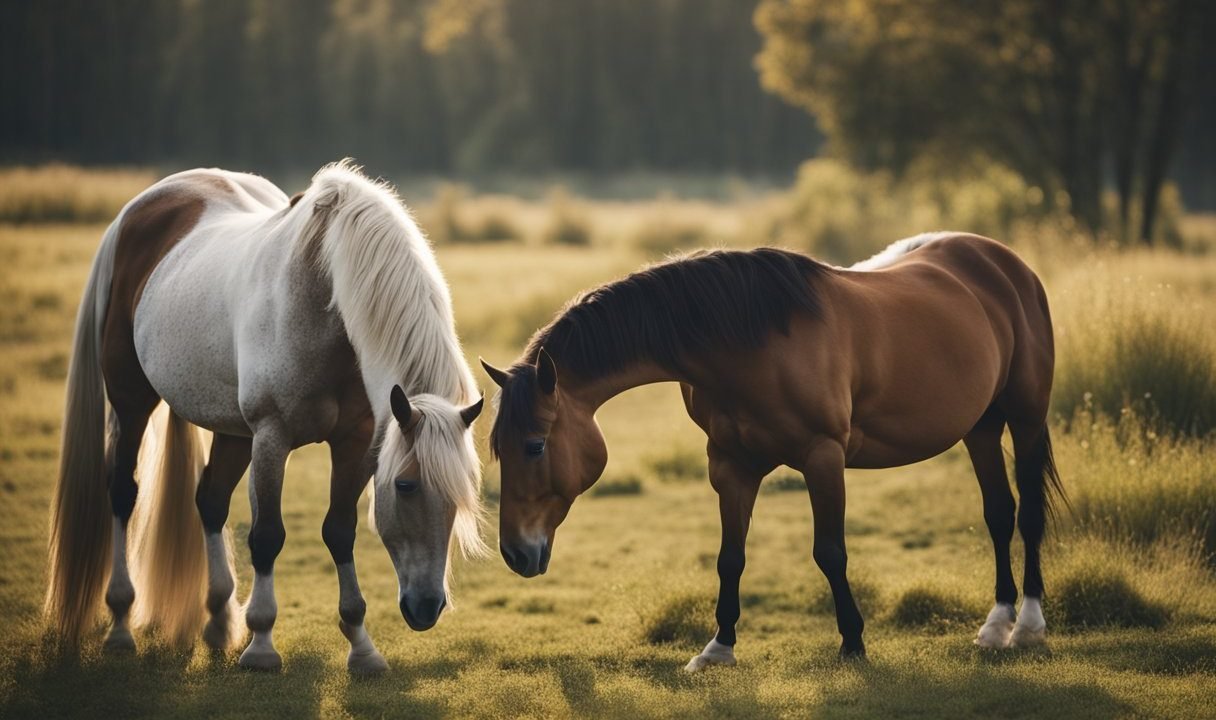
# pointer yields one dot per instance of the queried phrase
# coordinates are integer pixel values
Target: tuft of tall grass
(1099, 596)
(680, 465)
(620, 485)
(1127, 344)
(1128, 481)
(933, 608)
(682, 619)
(65, 193)
(667, 234)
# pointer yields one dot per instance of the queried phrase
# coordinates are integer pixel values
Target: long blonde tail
(78, 558)
(168, 555)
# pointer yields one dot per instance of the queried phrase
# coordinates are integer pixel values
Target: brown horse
(786, 361)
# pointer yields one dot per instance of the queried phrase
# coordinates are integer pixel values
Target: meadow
(1131, 585)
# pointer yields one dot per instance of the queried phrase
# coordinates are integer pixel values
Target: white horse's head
(427, 486)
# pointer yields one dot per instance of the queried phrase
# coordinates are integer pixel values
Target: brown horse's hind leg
(227, 463)
(825, 480)
(984, 446)
(736, 485)
(1034, 470)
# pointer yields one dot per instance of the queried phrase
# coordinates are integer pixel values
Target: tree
(1063, 91)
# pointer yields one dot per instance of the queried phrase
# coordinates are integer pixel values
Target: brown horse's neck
(597, 391)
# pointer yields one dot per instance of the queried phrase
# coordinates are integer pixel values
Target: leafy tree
(1067, 92)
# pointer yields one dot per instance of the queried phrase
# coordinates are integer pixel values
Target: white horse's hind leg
(265, 541)
(120, 595)
(1031, 628)
(995, 631)
(229, 459)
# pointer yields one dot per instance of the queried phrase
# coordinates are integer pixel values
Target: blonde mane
(397, 310)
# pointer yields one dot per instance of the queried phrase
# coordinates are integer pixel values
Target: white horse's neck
(389, 291)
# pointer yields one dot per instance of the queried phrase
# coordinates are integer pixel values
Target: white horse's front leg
(996, 629)
(364, 658)
(120, 594)
(1031, 628)
(715, 653)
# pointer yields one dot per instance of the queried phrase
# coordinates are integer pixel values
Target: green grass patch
(683, 619)
(680, 465)
(1098, 595)
(929, 607)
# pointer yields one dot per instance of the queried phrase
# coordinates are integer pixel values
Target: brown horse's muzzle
(528, 559)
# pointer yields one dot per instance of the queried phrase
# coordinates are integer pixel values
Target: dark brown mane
(665, 313)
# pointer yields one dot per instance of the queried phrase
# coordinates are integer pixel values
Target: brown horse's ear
(470, 413)
(546, 372)
(498, 376)
(401, 408)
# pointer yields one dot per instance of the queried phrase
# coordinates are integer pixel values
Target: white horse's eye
(406, 487)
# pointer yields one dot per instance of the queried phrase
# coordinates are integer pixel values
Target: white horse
(272, 324)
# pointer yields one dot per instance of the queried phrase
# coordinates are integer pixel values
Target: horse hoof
(853, 654)
(1026, 637)
(119, 642)
(701, 662)
(994, 636)
(365, 664)
(261, 659)
(216, 635)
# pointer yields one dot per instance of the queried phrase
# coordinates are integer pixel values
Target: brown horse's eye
(405, 487)
(533, 448)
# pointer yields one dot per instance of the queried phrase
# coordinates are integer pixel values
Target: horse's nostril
(422, 612)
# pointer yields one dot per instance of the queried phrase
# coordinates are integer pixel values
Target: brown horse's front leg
(736, 486)
(824, 473)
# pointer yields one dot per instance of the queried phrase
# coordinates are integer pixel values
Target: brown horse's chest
(733, 430)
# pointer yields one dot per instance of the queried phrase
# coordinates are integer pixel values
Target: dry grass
(62, 193)
(629, 593)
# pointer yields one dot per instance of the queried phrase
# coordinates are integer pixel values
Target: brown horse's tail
(78, 558)
(168, 555)
(1038, 479)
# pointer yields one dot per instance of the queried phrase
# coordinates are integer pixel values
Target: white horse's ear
(401, 407)
(469, 414)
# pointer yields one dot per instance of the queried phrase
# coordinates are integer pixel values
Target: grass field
(1131, 604)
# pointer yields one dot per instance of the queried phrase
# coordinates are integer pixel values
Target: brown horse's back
(941, 335)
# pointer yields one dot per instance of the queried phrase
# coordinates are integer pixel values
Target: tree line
(425, 86)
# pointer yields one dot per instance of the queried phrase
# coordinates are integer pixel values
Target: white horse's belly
(184, 341)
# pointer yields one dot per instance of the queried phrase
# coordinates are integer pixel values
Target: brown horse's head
(550, 450)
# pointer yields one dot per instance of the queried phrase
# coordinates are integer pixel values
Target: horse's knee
(731, 562)
(339, 537)
(265, 542)
(831, 558)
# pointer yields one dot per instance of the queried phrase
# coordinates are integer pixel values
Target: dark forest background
(1075, 95)
(423, 87)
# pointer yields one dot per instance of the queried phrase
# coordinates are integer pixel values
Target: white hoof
(997, 628)
(372, 663)
(364, 658)
(261, 655)
(715, 653)
(1031, 628)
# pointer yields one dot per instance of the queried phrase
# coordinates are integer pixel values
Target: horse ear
(546, 372)
(470, 413)
(498, 376)
(401, 406)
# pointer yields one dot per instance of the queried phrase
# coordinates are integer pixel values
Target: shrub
(63, 193)
(680, 466)
(495, 227)
(686, 619)
(1099, 595)
(626, 485)
(444, 222)
(783, 482)
(568, 223)
(664, 236)
(1127, 346)
(925, 606)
